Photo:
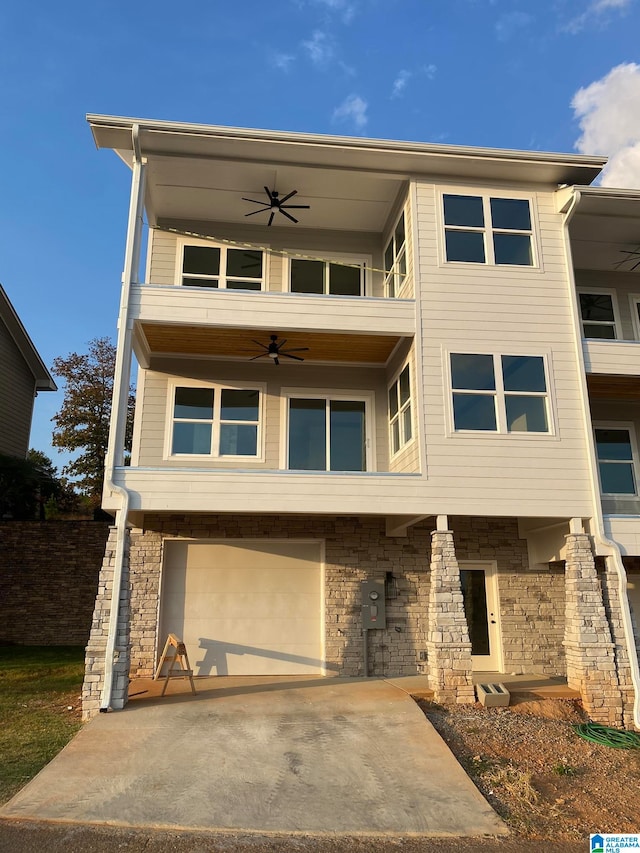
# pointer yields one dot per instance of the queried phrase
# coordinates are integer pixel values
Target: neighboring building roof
(44, 380)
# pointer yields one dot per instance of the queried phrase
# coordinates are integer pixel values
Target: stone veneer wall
(355, 549)
(532, 601)
(611, 599)
(48, 580)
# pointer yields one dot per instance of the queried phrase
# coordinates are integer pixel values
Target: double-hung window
(598, 314)
(499, 393)
(327, 433)
(216, 421)
(220, 266)
(400, 426)
(616, 460)
(339, 276)
(395, 260)
(488, 230)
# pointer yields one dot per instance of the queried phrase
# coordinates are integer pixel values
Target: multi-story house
(363, 360)
(22, 375)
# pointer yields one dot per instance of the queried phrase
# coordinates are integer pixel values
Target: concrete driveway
(280, 755)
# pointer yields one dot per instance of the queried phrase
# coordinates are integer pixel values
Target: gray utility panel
(373, 604)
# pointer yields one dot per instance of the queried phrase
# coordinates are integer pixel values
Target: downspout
(120, 399)
(600, 537)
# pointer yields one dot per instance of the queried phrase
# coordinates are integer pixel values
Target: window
(327, 434)
(400, 426)
(499, 393)
(484, 230)
(215, 421)
(221, 267)
(616, 461)
(598, 315)
(395, 260)
(337, 277)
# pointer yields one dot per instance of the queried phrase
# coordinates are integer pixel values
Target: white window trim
(617, 324)
(634, 302)
(213, 244)
(405, 250)
(217, 387)
(368, 397)
(630, 428)
(403, 446)
(486, 195)
(499, 394)
(363, 261)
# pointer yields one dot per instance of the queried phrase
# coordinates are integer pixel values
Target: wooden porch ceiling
(239, 343)
(605, 387)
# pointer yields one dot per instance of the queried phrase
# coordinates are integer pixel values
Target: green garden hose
(605, 736)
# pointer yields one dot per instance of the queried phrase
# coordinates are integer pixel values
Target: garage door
(245, 607)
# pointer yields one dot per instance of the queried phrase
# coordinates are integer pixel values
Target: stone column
(591, 665)
(448, 646)
(96, 647)
(613, 609)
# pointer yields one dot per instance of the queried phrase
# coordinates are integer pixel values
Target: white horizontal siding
(626, 532)
(523, 310)
(150, 451)
(263, 310)
(620, 358)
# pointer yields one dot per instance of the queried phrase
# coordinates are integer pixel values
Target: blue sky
(555, 75)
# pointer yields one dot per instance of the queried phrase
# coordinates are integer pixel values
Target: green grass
(37, 686)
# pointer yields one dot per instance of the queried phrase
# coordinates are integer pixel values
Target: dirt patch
(541, 778)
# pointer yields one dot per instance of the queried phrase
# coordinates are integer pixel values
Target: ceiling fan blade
(282, 343)
(264, 346)
(255, 201)
(297, 349)
(284, 213)
(292, 193)
(296, 357)
(296, 206)
(260, 210)
(275, 360)
(269, 195)
(273, 213)
(260, 355)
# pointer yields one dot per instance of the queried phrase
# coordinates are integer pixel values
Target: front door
(480, 595)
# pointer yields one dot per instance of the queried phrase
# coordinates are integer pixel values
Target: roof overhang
(43, 379)
(605, 228)
(206, 169)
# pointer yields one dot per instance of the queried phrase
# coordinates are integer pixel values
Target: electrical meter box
(373, 604)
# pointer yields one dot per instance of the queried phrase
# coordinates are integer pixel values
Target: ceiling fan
(274, 350)
(276, 204)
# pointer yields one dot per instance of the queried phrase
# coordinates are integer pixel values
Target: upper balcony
(605, 243)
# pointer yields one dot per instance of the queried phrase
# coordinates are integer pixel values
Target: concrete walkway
(264, 755)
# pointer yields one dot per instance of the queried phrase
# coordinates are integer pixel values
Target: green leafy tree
(26, 485)
(82, 424)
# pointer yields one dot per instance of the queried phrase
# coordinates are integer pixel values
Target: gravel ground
(541, 778)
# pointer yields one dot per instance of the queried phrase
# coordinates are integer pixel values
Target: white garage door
(245, 607)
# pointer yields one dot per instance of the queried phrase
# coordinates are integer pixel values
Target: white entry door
(245, 607)
(481, 607)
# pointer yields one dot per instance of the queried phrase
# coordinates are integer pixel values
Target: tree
(26, 485)
(83, 420)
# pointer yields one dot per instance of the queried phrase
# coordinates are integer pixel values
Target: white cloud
(282, 60)
(609, 118)
(353, 110)
(400, 83)
(346, 8)
(319, 48)
(509, 24)
(404, 76)
(595, 13)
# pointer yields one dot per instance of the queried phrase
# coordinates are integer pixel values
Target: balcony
(252, 491)
(612, 357)
(221, 323)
